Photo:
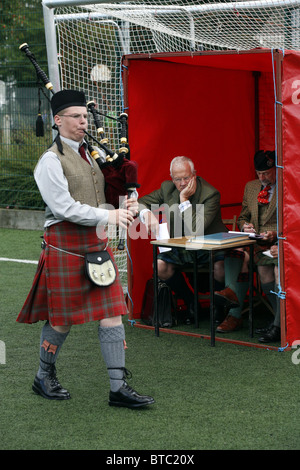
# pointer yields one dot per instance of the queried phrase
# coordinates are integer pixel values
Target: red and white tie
(263, 196)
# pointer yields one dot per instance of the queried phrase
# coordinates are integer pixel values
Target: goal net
(92, 38)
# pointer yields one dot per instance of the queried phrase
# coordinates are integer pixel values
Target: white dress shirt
(271, 192)
(53, 186)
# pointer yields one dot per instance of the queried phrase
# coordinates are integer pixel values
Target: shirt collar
(271, 185)
(75, 146)
(73, 143)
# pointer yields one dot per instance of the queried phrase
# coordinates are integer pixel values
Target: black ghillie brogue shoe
(49, 387)
(129, 398)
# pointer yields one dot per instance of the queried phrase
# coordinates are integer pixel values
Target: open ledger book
(220, 238)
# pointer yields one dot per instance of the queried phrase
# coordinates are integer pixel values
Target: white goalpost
(86, 41)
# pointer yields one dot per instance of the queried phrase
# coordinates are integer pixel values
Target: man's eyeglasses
(75, 116)
(185, 179)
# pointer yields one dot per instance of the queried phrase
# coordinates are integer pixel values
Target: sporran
(99, 268)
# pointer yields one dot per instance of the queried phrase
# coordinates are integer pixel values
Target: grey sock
(113, 350)
(51, 342)
(233, 265)
(241, 291)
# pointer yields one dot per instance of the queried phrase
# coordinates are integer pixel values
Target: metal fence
(20, 103)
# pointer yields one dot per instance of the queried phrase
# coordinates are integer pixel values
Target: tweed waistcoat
(86, 182)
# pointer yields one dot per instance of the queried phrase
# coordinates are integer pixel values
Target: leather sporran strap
(99, 268)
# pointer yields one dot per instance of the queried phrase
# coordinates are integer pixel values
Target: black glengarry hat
(264, 160)
(66, 98)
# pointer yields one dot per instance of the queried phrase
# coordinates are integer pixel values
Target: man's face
(72, 122)
(268, 176)
(181, 175)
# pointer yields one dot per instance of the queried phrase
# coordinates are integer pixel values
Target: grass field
(227, 397)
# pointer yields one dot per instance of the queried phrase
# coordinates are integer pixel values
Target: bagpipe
(119, 171)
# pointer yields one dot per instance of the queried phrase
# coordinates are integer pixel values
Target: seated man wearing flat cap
(258, 215)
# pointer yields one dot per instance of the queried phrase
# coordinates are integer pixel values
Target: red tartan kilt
(61, 292)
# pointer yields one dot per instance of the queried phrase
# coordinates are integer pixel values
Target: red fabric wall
(201, 107)
(291, 198)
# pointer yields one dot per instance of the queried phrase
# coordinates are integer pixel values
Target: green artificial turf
(226, 397)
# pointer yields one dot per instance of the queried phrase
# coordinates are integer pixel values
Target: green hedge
(18, 159)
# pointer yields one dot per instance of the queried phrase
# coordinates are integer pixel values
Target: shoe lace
(126, 373)
(51, 371)
(52, 374)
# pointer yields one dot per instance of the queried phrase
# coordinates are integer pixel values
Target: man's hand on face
(189, 190)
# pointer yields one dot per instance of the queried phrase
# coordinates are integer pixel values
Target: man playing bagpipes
(62, 295)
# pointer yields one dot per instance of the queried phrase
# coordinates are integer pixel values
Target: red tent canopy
(218, 108)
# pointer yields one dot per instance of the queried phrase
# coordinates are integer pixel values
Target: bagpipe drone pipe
(119, 171)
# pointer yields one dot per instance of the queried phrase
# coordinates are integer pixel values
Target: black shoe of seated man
(220, 313)
(129, 398)
(189, 320)
(271, 336)
(190, 314)
(263, 330)
(49, 387)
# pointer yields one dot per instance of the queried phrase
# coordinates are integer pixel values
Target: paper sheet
(268, 253)
(250, 234)
(163, 234)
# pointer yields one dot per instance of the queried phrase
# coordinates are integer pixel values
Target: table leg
(155, 287)
(212, 297)
(195, 280)
(251, 292)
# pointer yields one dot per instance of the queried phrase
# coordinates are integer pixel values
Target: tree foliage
(21, 22)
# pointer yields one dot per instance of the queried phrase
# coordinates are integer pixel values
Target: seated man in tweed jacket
(182, 198)
(72, 187)
(258, 215)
